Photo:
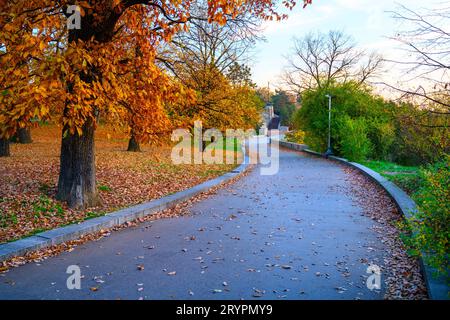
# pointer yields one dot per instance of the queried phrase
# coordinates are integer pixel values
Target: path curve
(295, 235)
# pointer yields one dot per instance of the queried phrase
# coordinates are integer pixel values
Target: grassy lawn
(406, 177)
(228, 144)
(231, 144)
(28, 180)
(386, 167)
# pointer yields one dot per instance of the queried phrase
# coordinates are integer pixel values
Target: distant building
(270, 120)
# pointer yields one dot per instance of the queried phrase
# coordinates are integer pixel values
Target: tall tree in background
(284, 106)
(212, 44)
(319, 59)
(81, 82)
(152, 88)
(265, 94)
(209, 59)
(423, 83)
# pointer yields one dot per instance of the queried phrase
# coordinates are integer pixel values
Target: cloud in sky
(368, 22)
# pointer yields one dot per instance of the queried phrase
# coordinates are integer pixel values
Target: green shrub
(315, 143)
(430, 227)
(409, 183)
(382, 136)
(355, 109)
(354, 144)
(421, 137)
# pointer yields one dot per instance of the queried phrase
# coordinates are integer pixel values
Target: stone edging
(75, 231)
(436, 287)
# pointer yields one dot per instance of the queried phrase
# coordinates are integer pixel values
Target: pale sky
(367, 21)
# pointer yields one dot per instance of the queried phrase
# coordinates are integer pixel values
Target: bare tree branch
(427, 43)
(319, 59)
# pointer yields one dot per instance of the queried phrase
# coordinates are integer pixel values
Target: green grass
(94, 214)
(385, 166)
(7, 218)
(104, 188)
(208, 173)
(232, 144)
(229, 144)
(406, 177)
(45, 206)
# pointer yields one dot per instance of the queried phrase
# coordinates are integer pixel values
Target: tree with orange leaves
(76, 76)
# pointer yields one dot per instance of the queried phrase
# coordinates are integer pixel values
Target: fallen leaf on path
(258, 293)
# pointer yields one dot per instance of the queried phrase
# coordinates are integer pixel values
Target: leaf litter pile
(28, 180)
(401, 272)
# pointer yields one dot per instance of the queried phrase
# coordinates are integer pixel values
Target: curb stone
(436, 286)
(75, 231)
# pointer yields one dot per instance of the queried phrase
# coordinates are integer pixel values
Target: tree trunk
(24, 135)
(76, 183)
(4, 148)
(133, 144)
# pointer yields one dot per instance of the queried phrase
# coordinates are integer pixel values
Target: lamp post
(329, 151)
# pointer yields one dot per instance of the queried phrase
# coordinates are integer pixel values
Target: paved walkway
(295, 235)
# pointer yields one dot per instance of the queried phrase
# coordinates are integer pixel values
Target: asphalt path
(297, 234)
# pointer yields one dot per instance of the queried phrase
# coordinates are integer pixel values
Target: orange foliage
(73, 76)
(219, 103)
